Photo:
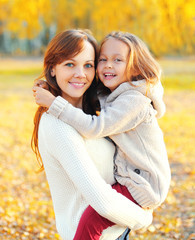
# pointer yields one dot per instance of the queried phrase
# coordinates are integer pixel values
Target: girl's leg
(92, 224)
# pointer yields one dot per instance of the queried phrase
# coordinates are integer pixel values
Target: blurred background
(26, 27)
(166, 26)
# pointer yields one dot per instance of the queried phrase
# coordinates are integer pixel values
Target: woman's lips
(77, 84)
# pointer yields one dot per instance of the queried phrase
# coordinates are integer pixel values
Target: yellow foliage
(4, 11)
(24, 19)
(164, 25)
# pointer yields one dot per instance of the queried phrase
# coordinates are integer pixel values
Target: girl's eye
(118, 60)
(102, 59)
(88, 65)
(69, 64)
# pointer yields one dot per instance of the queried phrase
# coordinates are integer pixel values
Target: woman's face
(75, 75)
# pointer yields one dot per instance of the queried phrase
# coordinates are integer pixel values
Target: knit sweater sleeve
(123, 114)
(69, 150)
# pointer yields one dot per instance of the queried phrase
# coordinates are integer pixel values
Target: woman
(70, 161)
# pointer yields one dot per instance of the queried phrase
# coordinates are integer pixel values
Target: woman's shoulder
(52, 125)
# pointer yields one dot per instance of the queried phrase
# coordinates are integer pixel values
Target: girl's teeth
(109, 74)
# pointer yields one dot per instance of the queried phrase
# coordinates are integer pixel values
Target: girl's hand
(42, 96)
(41, 83)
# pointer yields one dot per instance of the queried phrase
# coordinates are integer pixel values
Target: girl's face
(112, 63)
(75, 75)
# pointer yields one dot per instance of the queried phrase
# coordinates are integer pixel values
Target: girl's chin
(108, 84)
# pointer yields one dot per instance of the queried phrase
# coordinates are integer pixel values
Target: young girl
(128, 117)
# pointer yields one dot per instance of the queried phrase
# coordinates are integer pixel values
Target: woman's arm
(69, 149)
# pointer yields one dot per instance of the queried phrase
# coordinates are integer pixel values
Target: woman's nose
(80, 73)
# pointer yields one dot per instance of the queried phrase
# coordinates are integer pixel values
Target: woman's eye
(69, 64)
(88, 65)
(118, 60)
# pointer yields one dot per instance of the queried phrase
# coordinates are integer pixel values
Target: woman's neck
(76, 102)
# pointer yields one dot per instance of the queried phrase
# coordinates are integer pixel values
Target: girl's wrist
(51, 99)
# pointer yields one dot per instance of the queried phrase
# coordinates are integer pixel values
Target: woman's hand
(42, 96)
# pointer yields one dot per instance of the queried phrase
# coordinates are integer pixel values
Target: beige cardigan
(129, 119)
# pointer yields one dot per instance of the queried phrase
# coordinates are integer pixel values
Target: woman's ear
(53, 72)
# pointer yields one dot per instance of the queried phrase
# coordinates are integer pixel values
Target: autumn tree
(168, 27)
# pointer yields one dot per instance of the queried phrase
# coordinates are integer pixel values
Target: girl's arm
(69, 149)
(123, 114)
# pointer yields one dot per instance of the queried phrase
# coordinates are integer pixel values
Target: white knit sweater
(75, 182)
(129, 119)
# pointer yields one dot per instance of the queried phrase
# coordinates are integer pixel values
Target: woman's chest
(102, 152)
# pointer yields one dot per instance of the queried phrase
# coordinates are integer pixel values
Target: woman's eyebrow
(70, 59)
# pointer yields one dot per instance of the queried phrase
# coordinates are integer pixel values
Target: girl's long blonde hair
(65, 45)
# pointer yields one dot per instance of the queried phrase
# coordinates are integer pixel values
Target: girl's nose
(80, 73)
(108, 64)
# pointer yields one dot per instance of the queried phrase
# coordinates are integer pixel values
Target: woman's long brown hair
(65, 45)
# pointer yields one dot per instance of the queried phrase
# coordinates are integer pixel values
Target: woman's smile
(77, 85)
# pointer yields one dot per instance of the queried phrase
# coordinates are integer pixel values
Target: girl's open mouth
(109, 75)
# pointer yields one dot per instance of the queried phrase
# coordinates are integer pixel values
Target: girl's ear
(53, 72)
(135, 71)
